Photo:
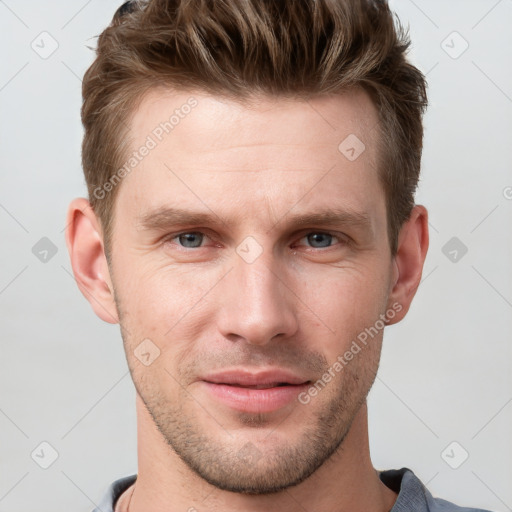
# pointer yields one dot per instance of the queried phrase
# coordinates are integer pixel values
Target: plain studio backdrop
(442, 402)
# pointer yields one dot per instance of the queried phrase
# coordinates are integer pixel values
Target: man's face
(250, 288)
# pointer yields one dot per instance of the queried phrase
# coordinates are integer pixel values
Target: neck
(346, 481)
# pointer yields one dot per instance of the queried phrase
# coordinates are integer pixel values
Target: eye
(190, 240)
(314, 239)
(320, 239)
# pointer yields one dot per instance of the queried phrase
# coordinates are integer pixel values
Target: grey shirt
(412, 494)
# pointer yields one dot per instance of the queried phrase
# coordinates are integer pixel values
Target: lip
(261, 378)
(277, 388)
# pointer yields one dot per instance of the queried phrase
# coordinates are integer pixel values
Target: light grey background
(446, 369)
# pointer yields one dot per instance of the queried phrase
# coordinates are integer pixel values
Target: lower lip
(255, 400)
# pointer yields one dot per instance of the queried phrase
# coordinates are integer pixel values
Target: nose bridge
(258, 306)
(258, 278)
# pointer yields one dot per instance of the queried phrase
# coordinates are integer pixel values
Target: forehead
(211, 150)
(218, 124)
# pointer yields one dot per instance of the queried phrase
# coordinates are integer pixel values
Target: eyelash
(342, 239)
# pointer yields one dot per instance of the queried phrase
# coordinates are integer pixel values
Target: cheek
(167, 306)
(341, 306)
(345, 294)
(155, 292)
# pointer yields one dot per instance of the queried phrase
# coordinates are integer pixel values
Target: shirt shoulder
(413, 495)
(114, 490)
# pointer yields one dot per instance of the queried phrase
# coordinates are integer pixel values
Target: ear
(84, 241)
(408, 262)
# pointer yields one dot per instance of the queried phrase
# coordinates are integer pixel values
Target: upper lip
(260, 378)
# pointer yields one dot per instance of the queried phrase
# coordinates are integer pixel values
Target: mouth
(243, 377)
(263, 392)
(256, 386)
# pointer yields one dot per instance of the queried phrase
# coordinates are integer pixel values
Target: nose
(257, 304)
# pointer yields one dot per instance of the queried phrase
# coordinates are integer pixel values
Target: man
(251, 168)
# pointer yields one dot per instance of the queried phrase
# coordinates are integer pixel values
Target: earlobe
(88, 261)
(408, 261)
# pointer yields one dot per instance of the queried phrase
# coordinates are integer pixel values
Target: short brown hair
(239, 48)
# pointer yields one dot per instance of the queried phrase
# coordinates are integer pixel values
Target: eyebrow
(166, 217)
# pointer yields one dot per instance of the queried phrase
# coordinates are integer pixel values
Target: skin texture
(298, 306)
